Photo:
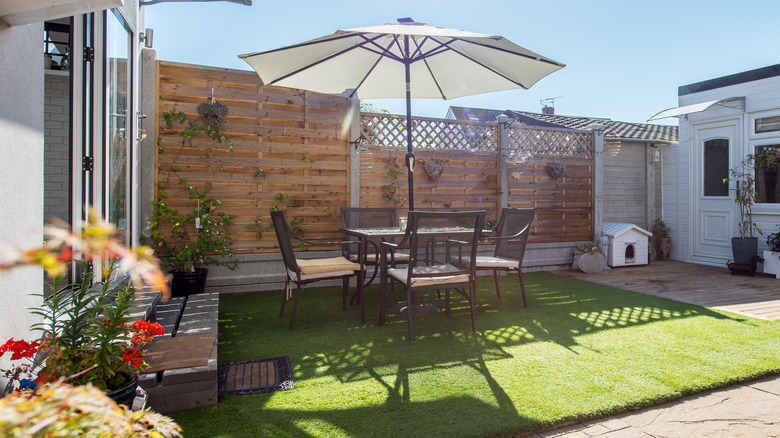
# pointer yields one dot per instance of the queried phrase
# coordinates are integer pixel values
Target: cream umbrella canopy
(408, 59)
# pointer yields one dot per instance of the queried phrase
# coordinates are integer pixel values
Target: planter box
(772, 263)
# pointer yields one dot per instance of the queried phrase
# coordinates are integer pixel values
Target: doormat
(257, 376)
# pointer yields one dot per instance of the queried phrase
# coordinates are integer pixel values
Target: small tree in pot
(661, 239)
(188, 242)
(745, 247)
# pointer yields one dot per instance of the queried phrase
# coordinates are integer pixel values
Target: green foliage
(390, 191)
(214, 129)
(659, 229)
(773, 241)
(744, 175)
(176, 237)
(587, 247)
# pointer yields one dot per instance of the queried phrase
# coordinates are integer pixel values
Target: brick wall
(56, 153)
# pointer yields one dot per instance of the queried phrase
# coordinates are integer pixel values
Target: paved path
(748, 410)
(708, 286)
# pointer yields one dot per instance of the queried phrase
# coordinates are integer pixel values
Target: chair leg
(284, 296)
(295, 305)
(473, 302)
(495, 280)
(361, 298)
(344, 290)
(522, 287)
(447, 299)
(409, 312)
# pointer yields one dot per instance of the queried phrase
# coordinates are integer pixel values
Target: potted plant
(662, 243)
(588, 258)
(87, 336)
(772, 256)
(745, 247)
(190, 241)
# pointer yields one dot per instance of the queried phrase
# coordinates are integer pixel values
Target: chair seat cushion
(401, 273)
(489, 262)
(330, 267)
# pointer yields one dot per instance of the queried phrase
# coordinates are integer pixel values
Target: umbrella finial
(405, 20)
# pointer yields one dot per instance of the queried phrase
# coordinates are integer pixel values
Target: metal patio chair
(442, 248)
(510, 236)
(304, 271)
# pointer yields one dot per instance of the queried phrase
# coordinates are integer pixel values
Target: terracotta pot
(663, 247)
(125, 394)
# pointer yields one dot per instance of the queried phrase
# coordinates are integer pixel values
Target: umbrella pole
(409, 146)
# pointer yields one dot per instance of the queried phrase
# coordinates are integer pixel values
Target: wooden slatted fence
(295, 142)
(284, 141)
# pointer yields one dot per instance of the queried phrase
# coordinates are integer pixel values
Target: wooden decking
(756, 297)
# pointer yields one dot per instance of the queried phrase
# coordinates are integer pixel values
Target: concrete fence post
(598, 182)
(354, 152)
(502, 149)
(148, 145)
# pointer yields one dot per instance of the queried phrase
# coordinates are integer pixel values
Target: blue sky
(625, 59)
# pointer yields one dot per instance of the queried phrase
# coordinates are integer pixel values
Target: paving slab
(746, 410)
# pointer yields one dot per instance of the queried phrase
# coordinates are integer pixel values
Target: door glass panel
(716, 167)
(118, 45)
(767, 188)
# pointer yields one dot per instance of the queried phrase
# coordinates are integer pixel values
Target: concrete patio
(709, 286)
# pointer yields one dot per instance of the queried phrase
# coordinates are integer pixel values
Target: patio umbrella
(434, 62)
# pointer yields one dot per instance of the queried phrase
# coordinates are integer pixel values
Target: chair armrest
(513, 236)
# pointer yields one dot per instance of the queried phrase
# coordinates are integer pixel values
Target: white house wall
(21, 172)
(762, 100)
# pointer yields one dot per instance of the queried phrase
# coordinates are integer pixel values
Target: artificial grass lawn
(580, 350)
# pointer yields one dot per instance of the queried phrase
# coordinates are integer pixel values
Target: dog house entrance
(630, 253)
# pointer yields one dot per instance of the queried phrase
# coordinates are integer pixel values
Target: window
(767, 124)
(56, 44)
(716, 167)
(767, 163)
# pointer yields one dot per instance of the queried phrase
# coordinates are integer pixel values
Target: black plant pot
(744, 249)
(188, 283)
(125, 394)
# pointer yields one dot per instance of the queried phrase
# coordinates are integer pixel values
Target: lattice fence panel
(386, 130)
(547, 142)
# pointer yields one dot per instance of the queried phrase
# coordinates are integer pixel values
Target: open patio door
(713, 152)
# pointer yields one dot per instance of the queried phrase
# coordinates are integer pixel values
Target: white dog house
(628, 244)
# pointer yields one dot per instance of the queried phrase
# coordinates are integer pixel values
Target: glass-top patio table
(377, 235)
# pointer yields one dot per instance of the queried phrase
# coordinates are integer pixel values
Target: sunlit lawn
(579, 351)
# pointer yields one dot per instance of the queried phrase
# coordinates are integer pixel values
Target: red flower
(20, 349)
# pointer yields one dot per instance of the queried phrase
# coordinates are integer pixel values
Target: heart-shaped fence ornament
(434, 168)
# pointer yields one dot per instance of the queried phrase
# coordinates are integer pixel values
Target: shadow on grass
(363, 380)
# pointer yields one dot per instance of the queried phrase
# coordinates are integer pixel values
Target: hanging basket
(434, 168)
(213, 113)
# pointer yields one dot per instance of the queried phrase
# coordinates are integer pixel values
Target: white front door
(713, 150)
